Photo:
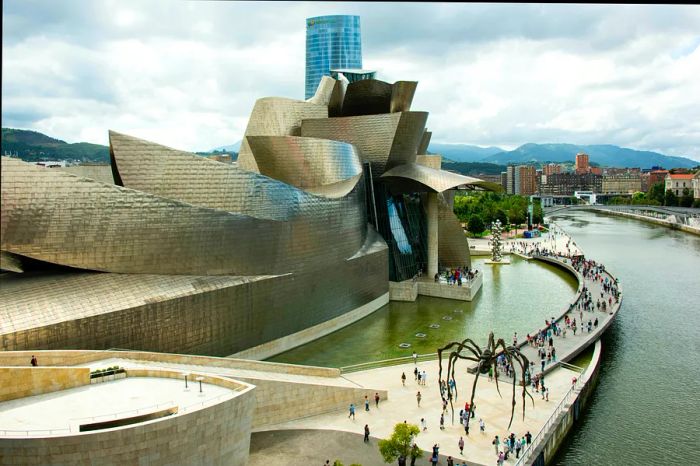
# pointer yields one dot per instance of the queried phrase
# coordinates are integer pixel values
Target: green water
(513, 298)
(644, 410)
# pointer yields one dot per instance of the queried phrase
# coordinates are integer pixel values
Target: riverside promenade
(541, 415)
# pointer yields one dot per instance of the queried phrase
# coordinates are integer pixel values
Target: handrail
(27, 432)
(386, 362)
(154, 407)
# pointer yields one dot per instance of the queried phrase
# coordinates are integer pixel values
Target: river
(645, 407)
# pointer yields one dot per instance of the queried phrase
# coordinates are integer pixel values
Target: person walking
(442, 422)
(418, 398)
(366, 433)
(415, 373)
(34, 361)
(415, 358)
(423, 424)
(352, 411)
(425, 377)
(376, 400)
(496, 442)
(366, 403)
(482, 426)
(461, 445)
(403, 379)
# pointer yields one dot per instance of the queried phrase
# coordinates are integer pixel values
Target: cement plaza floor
(65, 410)
(402, 406)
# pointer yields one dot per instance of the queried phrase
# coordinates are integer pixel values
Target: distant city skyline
(188, 73)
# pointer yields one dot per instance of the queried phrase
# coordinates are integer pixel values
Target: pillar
(432, 224)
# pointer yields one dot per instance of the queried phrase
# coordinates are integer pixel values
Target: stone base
(409, 290)
(504, 261)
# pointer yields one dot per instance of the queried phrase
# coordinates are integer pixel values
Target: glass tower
(332, 42)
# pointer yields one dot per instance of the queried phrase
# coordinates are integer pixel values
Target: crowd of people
(456, 276)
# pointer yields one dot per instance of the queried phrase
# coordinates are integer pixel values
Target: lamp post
(186, 374)
(199, 379)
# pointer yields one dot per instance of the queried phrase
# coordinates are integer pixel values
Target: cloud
(186, 74)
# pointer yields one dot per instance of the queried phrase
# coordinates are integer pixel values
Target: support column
(432, 224)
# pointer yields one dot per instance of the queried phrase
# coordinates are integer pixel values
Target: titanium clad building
(332, 42)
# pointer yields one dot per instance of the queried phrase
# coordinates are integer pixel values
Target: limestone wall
(20, 382)
(214, 435)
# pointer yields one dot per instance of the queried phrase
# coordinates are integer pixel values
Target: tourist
(496, 442)
(461, 446)
(466, 425)
(547, 394)
(528, 437)
(419, 377)
(450, 461)
(403, 379)
(366, 433)
(515, 339)
(34, 361)
(376, 400)
(490, 373)
(352, 411)
(482, 426)
(501, 458)
(442, 422)
(418, 397)
(425, 377)
(423, 424)
(415, 374)
(415, 358)
(366, 403)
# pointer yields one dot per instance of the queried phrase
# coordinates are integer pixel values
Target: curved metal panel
(323, 92)
(306, 163)
(373, 97)
(379, 138)
(276, 116)
(408, 136)
(335, 106)
(367, 97)
(10, 262)
(60, 218)
(424, 142)
(402, 93)
(413, 177)
(453, 248)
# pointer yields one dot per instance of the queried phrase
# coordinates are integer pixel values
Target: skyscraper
(332, 42)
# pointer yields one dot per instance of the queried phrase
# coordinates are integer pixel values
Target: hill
(462, 152)
(473, 168)
(32, 146)
(602, 154)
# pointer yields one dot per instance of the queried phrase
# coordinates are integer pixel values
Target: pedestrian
(415, 358)
(376, 400)
(403, 379)
(461, 445)
(450, 461)
(482, 426)
(425, 377)
(442, 422)
(366, 433)
(528, 437)
(419, 377)
(496, 443)
(418, 397)
(415, 373)
(547, 394)
(34, 361)
(352, 411)
(517, 449)
(423, 424)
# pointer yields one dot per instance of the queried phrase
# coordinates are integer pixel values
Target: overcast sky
(186, 74)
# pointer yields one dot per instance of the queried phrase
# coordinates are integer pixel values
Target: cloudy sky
(186, 74)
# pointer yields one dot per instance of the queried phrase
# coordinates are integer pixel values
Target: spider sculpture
(488, 357)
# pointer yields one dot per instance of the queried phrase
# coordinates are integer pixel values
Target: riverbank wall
(655, 221)
(562, 421)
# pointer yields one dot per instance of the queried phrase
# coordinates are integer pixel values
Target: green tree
(500, 214)
(476, 225)
(400, 445)
(670, 198)
(656, 193)
(686, 199)
(516, 215)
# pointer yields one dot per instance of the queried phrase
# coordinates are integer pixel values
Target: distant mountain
(462, 152)
(32, 146)
(604, 155)
(231, 148)
(473, 168)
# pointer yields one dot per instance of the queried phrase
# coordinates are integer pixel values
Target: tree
(400, 445)
(476, 225)
(687, 198)
(500, 214)
(670, 198)
(656, 193)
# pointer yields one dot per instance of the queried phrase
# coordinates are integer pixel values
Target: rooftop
(63, 412)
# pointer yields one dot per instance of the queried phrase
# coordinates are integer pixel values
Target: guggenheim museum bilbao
(331, 199)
